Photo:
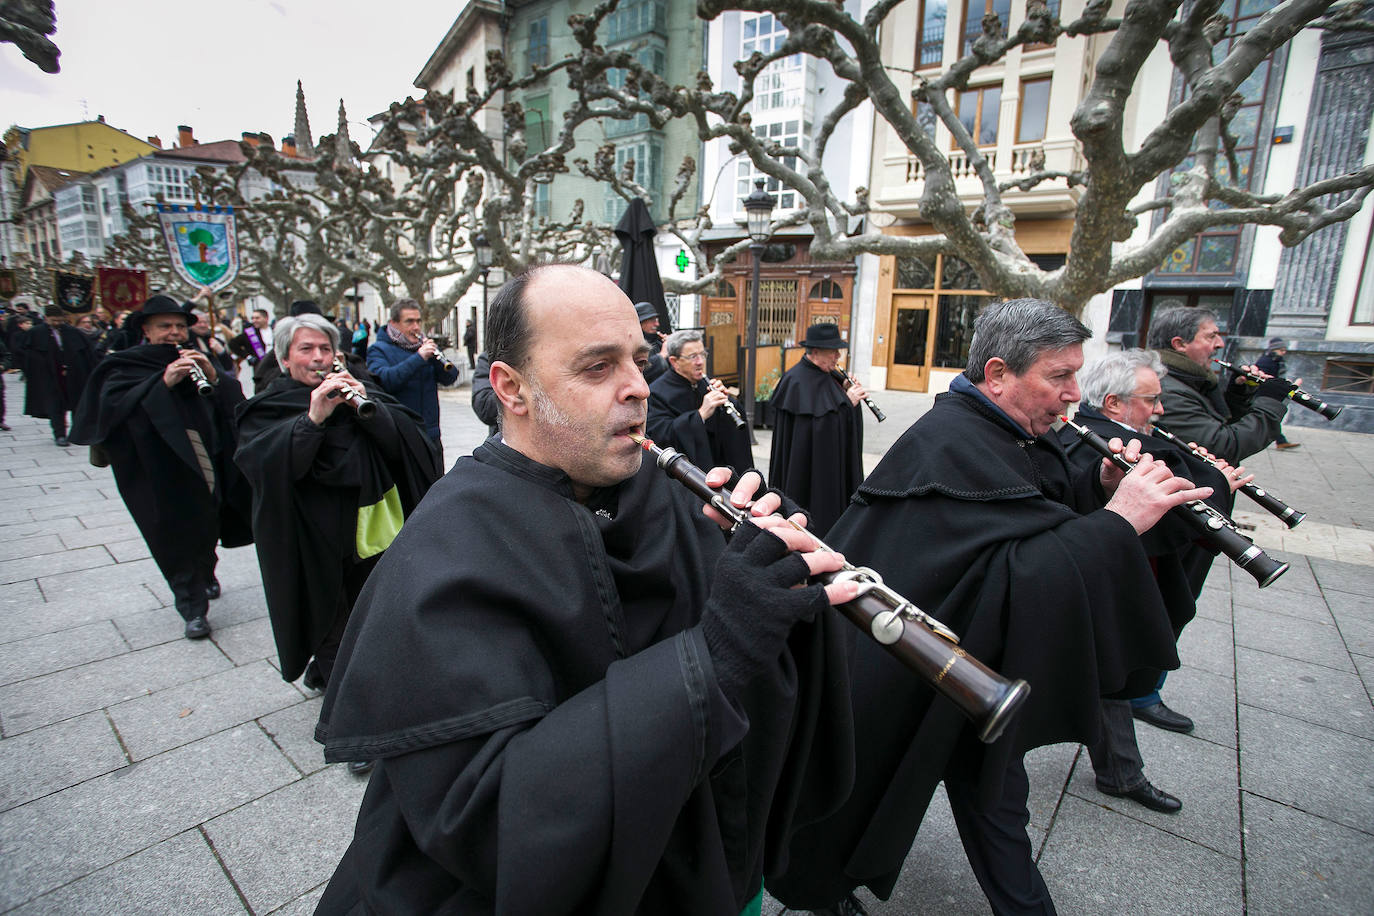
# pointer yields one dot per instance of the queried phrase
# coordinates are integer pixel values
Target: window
(537, 48)
(930, 41)
(539, 202)
(825, 290)
(783, 83)
(974, 11)
(978, 110)
(652, 55)
(926, 118)
(538, 124)
(1353, 375)
(793, 134)
(635, 17)
(647, 153)
(1362, 312)
(1035, 109)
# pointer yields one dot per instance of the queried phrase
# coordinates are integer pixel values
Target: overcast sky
(224, 68)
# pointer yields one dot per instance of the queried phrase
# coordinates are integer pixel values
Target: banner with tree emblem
(201, 243)
(75, 293)
(121, 289)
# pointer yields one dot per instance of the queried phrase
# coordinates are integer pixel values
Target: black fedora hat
(645, 310)
(157, 305)
(825, 336)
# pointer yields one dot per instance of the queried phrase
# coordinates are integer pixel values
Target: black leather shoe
(62, 441)
(1149, 796)
(212, 591)
(1161, 716)
(848, 905)
(360, 767)
(197, 628)
(313, 679)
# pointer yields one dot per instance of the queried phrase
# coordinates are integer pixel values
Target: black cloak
(142, 425)
(987, 531)
(818, 438)
(673, 420)
(1180, 559)
(550, 733)
(54, 377)
(308, 484)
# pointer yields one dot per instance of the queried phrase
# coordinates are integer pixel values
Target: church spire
(343, 148)
(305, 146)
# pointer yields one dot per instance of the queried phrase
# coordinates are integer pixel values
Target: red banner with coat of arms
(121, 290)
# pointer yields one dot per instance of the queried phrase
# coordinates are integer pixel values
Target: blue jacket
(410, 379)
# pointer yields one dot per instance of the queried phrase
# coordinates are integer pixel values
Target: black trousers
(189, 584)
(58, 421)
(355, 577)
(997, 846)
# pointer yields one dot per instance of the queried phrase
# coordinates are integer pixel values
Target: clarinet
(920, 642)
(447, 364)
(1296, 395)
(1215, 527)
(1286, 513)
(729, 406)
(366, 408)
(197, 376)
(845, 381)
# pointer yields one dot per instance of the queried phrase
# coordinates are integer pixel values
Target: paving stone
(85, 537)
(53, 564)
(92, 507)
(245, 642)
(18, 595)
(1290, 604)
(1358, 634)
(57, 757)
(1280, 635)
(11, 462)
(114, 513)
(12, 548)
(1048, 769)
(158, 880)
(1206, 698)
(1313, 693)
(1215, 604)
(129, 550)
(1365, 665)
(1344, 577)
(43, 700)
(1206, 644)
(1201, 774)
(281, 845)
(1297, 863)
(293, 729)
(1298, 578)
(85, 583)
(34, 616)
(304, 905)
(35, 499)
(72, 482)
(189, 711)
(51, 841)
(64, 649)
(1086, 875)
(38, 473)
(153, 625)
(22, 529)
(1315, 769)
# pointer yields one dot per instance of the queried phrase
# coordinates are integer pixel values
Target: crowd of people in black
(597, 694)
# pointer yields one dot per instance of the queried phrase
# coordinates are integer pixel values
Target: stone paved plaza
(147, 774)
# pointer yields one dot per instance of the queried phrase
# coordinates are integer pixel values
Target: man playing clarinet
(976, 516)
(695, 414)
(581, 697)
(818, 430)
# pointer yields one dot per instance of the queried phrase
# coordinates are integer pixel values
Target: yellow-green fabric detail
(754, 907)
(379, 523)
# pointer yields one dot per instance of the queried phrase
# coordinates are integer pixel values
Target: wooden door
(913, 338)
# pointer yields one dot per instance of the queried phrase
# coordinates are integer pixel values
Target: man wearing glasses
(693, 413)
(1122, 398)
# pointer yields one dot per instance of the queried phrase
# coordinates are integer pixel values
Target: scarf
(400, 340)
(1179, 364)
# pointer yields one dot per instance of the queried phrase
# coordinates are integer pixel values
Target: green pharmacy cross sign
(681, 260)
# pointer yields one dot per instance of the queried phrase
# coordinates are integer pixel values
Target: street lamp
(758, 208)
(482, 248)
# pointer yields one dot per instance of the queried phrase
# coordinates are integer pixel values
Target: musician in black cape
(57, 360)
(818, 430)
(330, 490)
(687, 410)
(648, 323)
(975, 516)
(1121, 397)
(580, 698)
(171, 452)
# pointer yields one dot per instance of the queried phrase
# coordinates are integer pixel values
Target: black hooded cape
(550, 734)
(990, 533)
(54, 377)
(142, 425)
(673, 420)
(308, 484)
(1180, 559)
(818, 438)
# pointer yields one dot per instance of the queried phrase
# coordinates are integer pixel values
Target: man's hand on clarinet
(715, 396)
(328, 395)
(1149, 490)
(856, 392)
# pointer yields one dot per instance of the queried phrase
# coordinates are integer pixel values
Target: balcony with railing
(904, 177)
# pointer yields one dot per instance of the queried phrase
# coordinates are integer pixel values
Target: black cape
(1180, 559)
(55, 377)
(990, 533)
(818, 438)
(308, 484)
(142, 425)
(551, 736)
(673, 420)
